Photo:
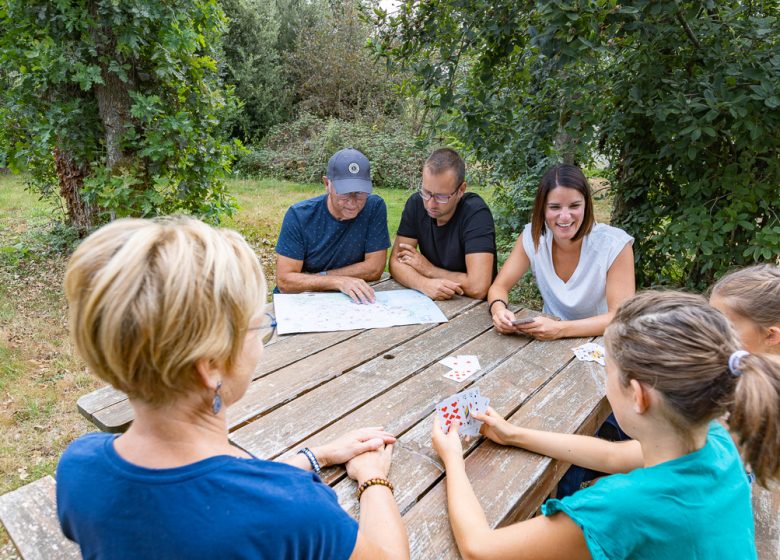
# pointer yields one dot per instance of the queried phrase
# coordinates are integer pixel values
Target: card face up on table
(461, 407)
(461, 367)
(590, 352)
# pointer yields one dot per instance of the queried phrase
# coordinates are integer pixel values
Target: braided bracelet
(374, 482)
(490, 307)
(309, 454)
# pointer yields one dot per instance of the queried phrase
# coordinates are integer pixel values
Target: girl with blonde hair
(674, 366)
(750, 298)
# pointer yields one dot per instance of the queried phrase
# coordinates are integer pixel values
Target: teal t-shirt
(696, 506)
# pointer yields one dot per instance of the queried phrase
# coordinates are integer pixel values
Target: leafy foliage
(126, 95)
(299, 151)
(334, 73)
(680, 97)
(254, 66)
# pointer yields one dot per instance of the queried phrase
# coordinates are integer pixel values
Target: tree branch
(688, 30)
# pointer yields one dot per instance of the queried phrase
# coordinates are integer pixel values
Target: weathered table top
(312, 387)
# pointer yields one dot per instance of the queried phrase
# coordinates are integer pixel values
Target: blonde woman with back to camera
(170, 311)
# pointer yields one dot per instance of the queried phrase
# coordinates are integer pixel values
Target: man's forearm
(471, 288)
(407, 275)
(297, 282)
(436, 272)
(363, 270)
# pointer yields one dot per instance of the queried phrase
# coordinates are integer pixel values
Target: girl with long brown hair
(675, 365)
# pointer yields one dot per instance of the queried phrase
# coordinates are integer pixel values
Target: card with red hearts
(460, 407)
(461, 366)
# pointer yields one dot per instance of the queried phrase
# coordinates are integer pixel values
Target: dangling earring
(216, 403)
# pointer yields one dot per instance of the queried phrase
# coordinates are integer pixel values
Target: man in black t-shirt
(454, 232)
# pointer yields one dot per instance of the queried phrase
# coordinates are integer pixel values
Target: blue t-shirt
(312, 235)
(221, 507)
(695, 506)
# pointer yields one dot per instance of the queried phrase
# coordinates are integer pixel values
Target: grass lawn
(40, 378)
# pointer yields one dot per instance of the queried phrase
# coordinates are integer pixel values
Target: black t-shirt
(470, 230)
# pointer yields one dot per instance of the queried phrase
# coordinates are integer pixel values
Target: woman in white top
(584, 270)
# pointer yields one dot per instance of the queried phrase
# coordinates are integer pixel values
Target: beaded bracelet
(315, 465)
(490, 307)
(374, 482)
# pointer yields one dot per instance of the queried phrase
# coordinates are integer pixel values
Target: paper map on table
(321, 312)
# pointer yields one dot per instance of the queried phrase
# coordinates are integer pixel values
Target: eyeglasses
(439, 198)
(353, 196)
(267, 329)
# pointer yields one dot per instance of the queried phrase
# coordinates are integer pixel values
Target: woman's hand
(495, 427)
(448, 445)
(371, 464)
(351, 444)
(543, 328)
(502, 320)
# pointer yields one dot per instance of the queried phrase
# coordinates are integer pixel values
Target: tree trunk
(113, 95)
(114, 107)
(80, 214)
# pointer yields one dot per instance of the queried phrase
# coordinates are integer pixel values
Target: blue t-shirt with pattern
(311, 234)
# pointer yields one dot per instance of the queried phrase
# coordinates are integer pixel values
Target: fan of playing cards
(461, 367)
(461, 407)
(590, 352)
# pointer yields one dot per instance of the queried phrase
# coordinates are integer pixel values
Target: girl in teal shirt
(674, 365)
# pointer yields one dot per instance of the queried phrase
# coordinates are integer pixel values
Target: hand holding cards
(461, 407)
(590, 352)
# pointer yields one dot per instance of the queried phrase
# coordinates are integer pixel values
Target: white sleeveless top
(585, 294)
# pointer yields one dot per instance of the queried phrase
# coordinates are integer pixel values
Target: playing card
(462, 366)
(458, 374)
(449, 410)
(474, 403)
(468, 362)
(450, 362)
(590, 352)
(461, 407)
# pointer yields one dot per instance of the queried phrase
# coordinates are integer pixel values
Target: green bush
(680, 100)
(299, 150)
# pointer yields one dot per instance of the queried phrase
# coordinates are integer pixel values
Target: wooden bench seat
(29, 514)
(766, 513)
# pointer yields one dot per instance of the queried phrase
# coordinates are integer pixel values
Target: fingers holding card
(461, 407)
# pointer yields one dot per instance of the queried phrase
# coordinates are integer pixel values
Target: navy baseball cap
(349, 172)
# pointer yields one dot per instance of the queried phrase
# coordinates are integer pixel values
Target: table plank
(515, 480)
(279, 430)
(404, 405)
(295, 380)
(416, 467)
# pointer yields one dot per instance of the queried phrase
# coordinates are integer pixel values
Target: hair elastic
(734, 360)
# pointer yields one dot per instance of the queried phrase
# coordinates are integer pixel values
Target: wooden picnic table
(310, 388)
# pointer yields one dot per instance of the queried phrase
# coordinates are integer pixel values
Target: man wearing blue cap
(338, 240)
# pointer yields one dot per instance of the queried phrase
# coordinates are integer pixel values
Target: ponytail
(755, 415)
